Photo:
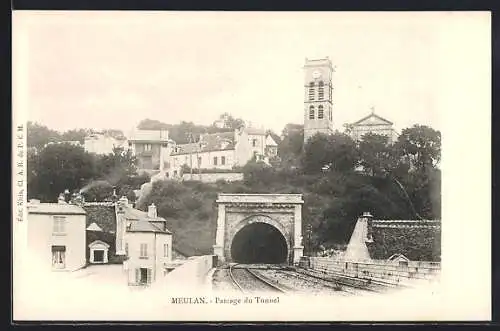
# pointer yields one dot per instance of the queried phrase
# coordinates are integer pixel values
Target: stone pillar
(91, 255)
(219, 237)
(298, 248)
(105, 259)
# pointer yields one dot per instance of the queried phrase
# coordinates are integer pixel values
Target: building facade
(100, 143)
(56, 235)
(148, 246)
(222, 151)
(318, 99)
(375, 124)
(150, 148)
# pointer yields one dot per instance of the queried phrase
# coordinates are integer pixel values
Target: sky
(112, 69)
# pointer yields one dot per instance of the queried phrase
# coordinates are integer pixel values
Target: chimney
(152, 211)
(77, 199)
(61, 199)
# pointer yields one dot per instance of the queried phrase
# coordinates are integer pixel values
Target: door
(99, 256)
(59, 257)
(145, 276)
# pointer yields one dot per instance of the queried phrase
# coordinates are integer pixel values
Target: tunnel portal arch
(238, 211)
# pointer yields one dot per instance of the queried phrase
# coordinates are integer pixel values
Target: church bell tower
(318, 117)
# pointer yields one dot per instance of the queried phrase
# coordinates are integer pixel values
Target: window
(311, 112)
(126, 249)
(199, 161)
(215, 160)
(222, 160)
(321, 84)
(147, 147)
(254, 142)
(311, 84)
(59, 257)
(59, 226)
(311, 94)
(165, 250)
(321, 93)
(320, 112)
(144, 251)
(143, 276)
(330, 114)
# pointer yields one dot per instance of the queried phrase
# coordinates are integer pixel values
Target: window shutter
(137, 275)
(148, 275)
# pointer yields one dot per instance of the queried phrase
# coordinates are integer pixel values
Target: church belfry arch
(281, 211)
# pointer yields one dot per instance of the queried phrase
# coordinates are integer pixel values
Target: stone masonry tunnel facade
(238, 213)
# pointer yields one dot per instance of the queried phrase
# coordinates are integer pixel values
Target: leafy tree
(115, 166)
(337, 151)
(420, 146)
(258, 173)
(231, 122)
(59, 167)
(98, 191)
(376, 156)
(75, 135)
(290, 148)
(39, 135)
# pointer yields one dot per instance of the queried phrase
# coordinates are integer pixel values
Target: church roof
(374, 116)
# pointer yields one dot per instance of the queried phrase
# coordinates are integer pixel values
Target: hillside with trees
(339, 180)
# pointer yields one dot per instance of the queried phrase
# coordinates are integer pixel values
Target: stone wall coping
(259, 198)
(407, 221)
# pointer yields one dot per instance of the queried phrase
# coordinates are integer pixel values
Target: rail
(256, 276)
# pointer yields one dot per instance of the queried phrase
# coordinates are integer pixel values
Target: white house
(56, 235)
(151, 148)
(148, 246)
(223, 150)
(99, 143)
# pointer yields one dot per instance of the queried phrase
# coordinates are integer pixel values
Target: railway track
(248, 281)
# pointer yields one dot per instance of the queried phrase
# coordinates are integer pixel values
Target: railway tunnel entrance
(259, 243)
(259, 228)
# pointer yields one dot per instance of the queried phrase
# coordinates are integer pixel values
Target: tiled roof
(55, 208)
(208, 143)
(255, 131)
(145, 226)
(102, 214)
(418, 240)
(149, 135)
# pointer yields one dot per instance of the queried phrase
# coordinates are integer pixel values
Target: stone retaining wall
(213, 177)
(386, 271)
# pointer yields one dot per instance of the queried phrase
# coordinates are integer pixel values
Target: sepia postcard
(251, 166)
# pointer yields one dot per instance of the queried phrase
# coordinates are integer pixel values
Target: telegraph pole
(190, 140)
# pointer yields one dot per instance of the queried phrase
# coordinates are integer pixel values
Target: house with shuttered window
(148, 245)
(56, 235)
